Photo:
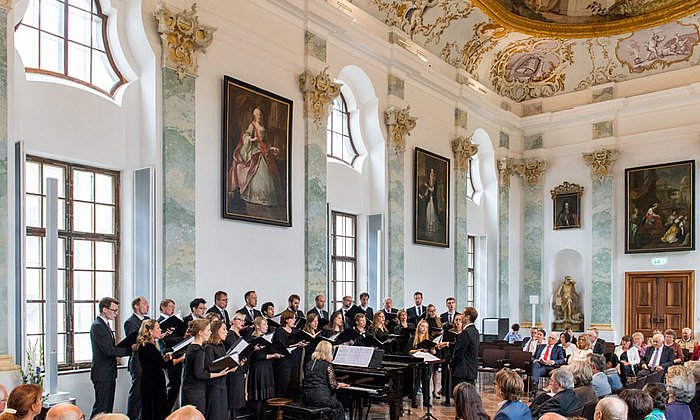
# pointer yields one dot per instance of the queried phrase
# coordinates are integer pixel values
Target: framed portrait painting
(257, 154)
(566, 206)
(431, 199)
(660, 208)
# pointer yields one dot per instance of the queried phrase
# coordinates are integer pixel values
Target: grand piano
(388, 383)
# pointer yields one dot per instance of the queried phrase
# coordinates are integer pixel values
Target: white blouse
(632, 355)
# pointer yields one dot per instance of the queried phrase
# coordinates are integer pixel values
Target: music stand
(428, 415)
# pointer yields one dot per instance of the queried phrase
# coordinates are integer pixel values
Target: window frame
(471, 188)
(346, 138)
(336, 304)
(121, 80)
(69, 237)
(471, 270)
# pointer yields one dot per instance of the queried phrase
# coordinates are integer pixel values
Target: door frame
(690, 309)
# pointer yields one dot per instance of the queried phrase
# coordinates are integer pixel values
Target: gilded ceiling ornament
(399, 124)
(486, 36)
(505, 170)
(183, 38)
(531, 68)
(601, 162)
(319, 93)
(408, 15)
(464, 150)
(565, 189)
(531, 170)
(658, 47)
(606, 71)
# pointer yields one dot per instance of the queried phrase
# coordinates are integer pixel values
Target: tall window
(471, 189)
(344, 257)
(339, 144)
(471, 262)
(68, 39)
(88, 252)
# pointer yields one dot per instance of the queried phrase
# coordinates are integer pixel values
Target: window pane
(104, 189)
(97, 38)
(31, 16)
(79, 26)
(104, 285)
(82, 217)
(83, 185)
(61, 284)
(32, 181)
(33, 284)
(52, 17)
(82, 255)
(61, 349)
(350, 247)
(104, 219)
(82, 348)
(34, 318)
(78, 61)
(51, 53)
(27, 44)
(34, 251)
(104, 256)
(32, 211)
(83, 4)
(62, 319)
(83, 317)
(60, 214)
(58, 173)
(82, 285)
(103, 75)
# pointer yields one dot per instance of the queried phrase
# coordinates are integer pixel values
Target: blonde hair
(196, 326)
(583, 338)
(638, 335)
(510, 383)
(257, 324)
(145, 334)
(583, 374)
(324, 351)
(420, 337)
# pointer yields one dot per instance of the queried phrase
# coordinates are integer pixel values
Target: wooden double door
(659, 300)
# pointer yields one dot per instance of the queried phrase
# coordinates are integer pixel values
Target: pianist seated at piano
(424, 371)
(335, 326)
(320, 381)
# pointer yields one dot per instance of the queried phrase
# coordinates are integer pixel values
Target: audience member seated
(681, 390)
(614, 379)
(564, 401)
(658, 357)
(566, 344)
(610, 408)
(659, 396)
(639, 343)
(468, 405)
(583, 375)
(65, 411)
(600, 380)
(628, 355)
(546, 358)
(110, 416)
(509, 388)
(686, 341)
(582, 350)
(695, 370)
(188, 412)
(670, 341)
(24, 403)
(639, 403)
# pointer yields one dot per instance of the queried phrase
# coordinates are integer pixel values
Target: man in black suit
(465, 356)
(416, 311)
(345, 307)
(319, 309)
(294, 301)
(597, 344)
(530, 343)
(564, 402)
(251, 301)
(198, 307)
(219, 308)
(657, 357)
(364, 305)
(132, 324)
(174, 374)
(103, 372)
(389, 309)
(449, 316)
(547, 357)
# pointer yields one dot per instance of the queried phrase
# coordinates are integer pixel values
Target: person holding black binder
(404, 329)
(153, 393)
(261, 376)
(421, 342)
(311, 328)
(132, 326)
(217, 397)
(174, 373)
(194, 373)
(335, 326)
(320, 381)
(235, 381)
(360, 326)
(287, 369)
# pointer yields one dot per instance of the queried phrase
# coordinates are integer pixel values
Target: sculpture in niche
(566, 304)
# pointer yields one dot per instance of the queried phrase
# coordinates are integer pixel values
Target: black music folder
(273, 323)
(299, 336)
(372, 341)
(426, 344)
(224, 362)
(322, 322)
(435, 331)
(129, 340)
(449, 337)
(301, 323)
(180, 348)
(347, 335)
(179, 327)
(390, 316)
(277, 347)
(354, 310)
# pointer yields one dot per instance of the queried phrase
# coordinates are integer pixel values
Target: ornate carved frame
(566, 193)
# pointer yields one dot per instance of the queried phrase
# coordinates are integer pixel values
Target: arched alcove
(565, 262)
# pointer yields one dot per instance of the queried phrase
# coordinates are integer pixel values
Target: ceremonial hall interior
(533, 159)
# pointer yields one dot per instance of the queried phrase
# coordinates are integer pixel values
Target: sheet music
(427, 357)
(438, 339)
(291, 349)
(353, 356)
(182, 344)
(268, 337)
(333, 337)
(277, 319)
(236, 351)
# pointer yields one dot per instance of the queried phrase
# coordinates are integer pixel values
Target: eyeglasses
(116, 311)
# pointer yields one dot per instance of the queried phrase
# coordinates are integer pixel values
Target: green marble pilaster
(316, 234)
(602, 225)
(4, 211)
(178, 188)
(503, 242)
(461, 239)
(396, 226)
(532, 250)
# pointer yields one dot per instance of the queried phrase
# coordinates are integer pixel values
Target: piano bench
(302, 412)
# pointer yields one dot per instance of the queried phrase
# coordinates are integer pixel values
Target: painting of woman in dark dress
(431, 199)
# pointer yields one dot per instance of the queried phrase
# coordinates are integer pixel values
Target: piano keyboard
(371, 391)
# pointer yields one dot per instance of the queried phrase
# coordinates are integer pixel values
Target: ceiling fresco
(651, 36)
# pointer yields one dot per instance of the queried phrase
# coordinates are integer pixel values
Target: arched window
(68, 39)
(471, 189)
(339, 141)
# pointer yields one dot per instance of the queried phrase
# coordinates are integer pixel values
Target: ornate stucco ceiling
(526, 49)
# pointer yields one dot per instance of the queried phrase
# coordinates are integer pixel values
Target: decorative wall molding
(566, 188)
(531, 170)
(505, 170)
(399, 123)
(319, 93)
(464, 150)
(601, 162)
(6, 5)
(182, 37)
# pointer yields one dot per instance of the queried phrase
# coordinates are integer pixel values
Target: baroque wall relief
(658, 48)
(469, 56)
(603, 69)
(532, 68)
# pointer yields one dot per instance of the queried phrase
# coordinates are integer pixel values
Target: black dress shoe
(446, 403)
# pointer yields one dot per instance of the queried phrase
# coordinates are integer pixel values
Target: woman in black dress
(261, 379)
(194, 373)
(335, 326)
(319, 381)
(423, 375)
(217, 397)
(402, 330)
(311, 328)
(235, 381)
(434, 323)
(153, 396)
(287, 369)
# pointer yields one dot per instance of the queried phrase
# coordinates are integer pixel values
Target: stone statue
(567, 306)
